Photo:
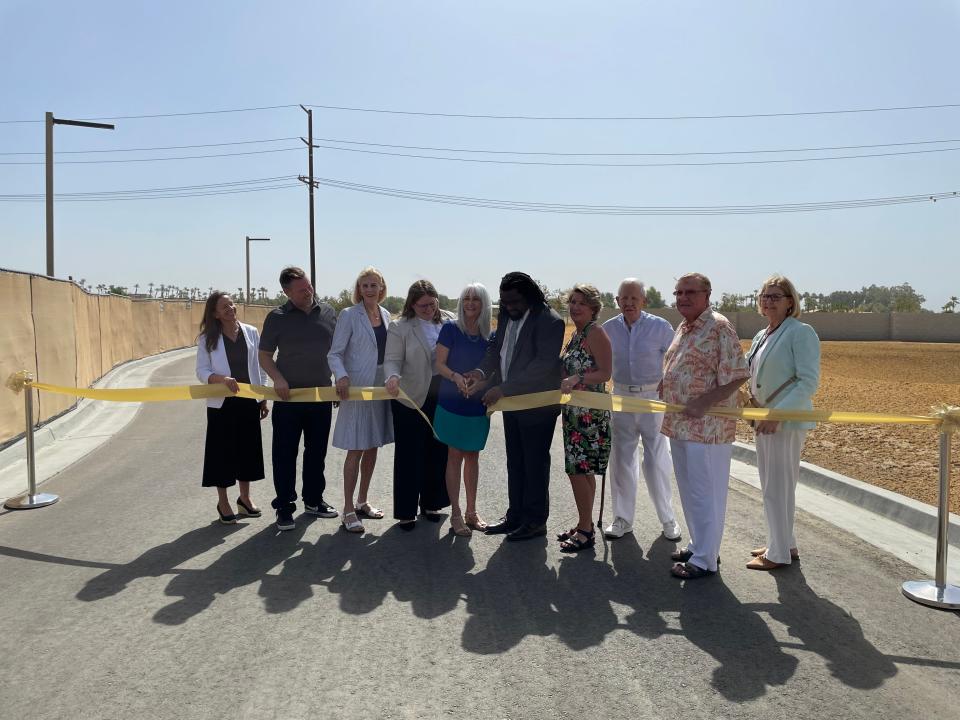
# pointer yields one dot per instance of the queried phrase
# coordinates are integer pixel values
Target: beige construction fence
(67, 336)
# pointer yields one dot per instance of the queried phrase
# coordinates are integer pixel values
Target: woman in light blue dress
(356, 358)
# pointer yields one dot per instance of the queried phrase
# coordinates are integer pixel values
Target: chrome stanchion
(32, 499)
(936, 593)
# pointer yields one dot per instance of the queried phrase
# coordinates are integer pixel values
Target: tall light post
(50, 122)
(246, 298)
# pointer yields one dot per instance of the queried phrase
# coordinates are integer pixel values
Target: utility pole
(50, 121)
(311, 184)
(246, 298)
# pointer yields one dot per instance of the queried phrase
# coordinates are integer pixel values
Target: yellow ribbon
(619, 403)
(946, 417)
(219, 390)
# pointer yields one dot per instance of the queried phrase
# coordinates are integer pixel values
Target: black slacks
(292, 420)
(528, 435)
(419, 459)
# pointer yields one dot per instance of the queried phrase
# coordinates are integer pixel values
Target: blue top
(465, 354)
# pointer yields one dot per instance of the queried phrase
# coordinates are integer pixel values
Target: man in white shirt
(639, 341)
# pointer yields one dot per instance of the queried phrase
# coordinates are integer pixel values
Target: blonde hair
(782, 282)
(369, 270)
(590, 294)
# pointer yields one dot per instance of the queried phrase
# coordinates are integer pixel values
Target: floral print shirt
(704, 355)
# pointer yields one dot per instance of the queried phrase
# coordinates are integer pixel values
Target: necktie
(508, 346)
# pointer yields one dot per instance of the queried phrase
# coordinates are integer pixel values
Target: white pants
(778, 462)
(629, 429)
(703, 478)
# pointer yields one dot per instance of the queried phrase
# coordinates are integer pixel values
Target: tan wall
(78, 337)
(925, 327)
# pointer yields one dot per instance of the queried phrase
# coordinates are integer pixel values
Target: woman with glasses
(784, 373)
(419, 459)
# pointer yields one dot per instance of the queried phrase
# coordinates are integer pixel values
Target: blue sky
(600, 59)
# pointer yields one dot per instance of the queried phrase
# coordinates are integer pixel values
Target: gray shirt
(638, 350)
(302, 340)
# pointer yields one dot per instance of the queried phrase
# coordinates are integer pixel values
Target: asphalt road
(128, 599)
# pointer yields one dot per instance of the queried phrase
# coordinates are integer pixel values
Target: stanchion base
(28, 502)
(926, 592)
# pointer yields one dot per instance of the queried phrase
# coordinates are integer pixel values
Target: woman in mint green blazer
(784, 373)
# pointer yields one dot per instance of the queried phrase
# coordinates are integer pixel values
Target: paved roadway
(127, 599)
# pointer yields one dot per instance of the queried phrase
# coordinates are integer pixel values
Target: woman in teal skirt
(461, 421)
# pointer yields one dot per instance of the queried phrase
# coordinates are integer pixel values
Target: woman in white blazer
(419, 459)
(784, 373)
(233, 452)
(356, 358)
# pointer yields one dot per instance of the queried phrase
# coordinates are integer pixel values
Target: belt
(649, 387)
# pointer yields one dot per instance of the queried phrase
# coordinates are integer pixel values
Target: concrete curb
(893, 506)
(76, 433)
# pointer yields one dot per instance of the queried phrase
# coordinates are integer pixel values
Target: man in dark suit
(524, 358)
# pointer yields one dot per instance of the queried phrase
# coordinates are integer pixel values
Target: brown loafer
(794, 553)
(761, 563)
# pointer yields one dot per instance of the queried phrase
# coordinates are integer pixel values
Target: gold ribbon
(946, 417)
(619, 403)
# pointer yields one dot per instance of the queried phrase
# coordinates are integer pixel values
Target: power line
(167, 147)
(636, 117)
(251, 185)
(639, 154)
(167, 115)
(344, 108)
(160, 159)
(636, 165)
(500, 204)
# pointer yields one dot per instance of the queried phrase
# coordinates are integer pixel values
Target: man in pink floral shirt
(703, 367)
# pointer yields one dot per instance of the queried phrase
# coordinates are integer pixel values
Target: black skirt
(234, 448)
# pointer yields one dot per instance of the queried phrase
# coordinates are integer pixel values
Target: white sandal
(352, 526)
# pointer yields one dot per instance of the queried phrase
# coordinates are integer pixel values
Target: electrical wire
(635, 165)
(160, 159)
(344, 108)
(168, 147)
(500, 204)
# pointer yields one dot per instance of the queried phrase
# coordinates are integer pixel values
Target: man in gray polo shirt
(639, 341)
(300, 332)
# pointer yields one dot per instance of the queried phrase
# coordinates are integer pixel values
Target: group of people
(451, 367)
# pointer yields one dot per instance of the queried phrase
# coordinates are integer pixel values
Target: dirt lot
(895, 377)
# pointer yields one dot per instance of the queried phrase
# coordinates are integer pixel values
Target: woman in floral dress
(587, 365)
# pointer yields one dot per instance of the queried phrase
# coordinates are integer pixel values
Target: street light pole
(246, 299)
(50, 121)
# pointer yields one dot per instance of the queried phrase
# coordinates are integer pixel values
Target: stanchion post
(938, 593)
(32, 499)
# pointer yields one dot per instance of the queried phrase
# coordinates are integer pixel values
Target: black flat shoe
(407, 525)
(226, 519)
(247, 510)
(501, 527)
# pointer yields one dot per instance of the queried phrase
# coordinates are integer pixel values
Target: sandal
(352, 526)
(458, 528)
(574, 544)
(688, 571)
(564, 536)
(681, 556)
(474, 522)
(368, 511)
(794, 553)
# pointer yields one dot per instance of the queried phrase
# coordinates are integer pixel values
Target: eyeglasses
(681, 293)
(771, 297)
(425, 305)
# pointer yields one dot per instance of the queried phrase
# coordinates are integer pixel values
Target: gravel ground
(895, 377)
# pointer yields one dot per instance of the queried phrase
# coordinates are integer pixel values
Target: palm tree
(951, 304)
(101, 288)
(150, 289)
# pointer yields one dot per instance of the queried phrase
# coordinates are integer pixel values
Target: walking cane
(603, 485)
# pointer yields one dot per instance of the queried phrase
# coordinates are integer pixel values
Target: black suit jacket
(535, 366)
